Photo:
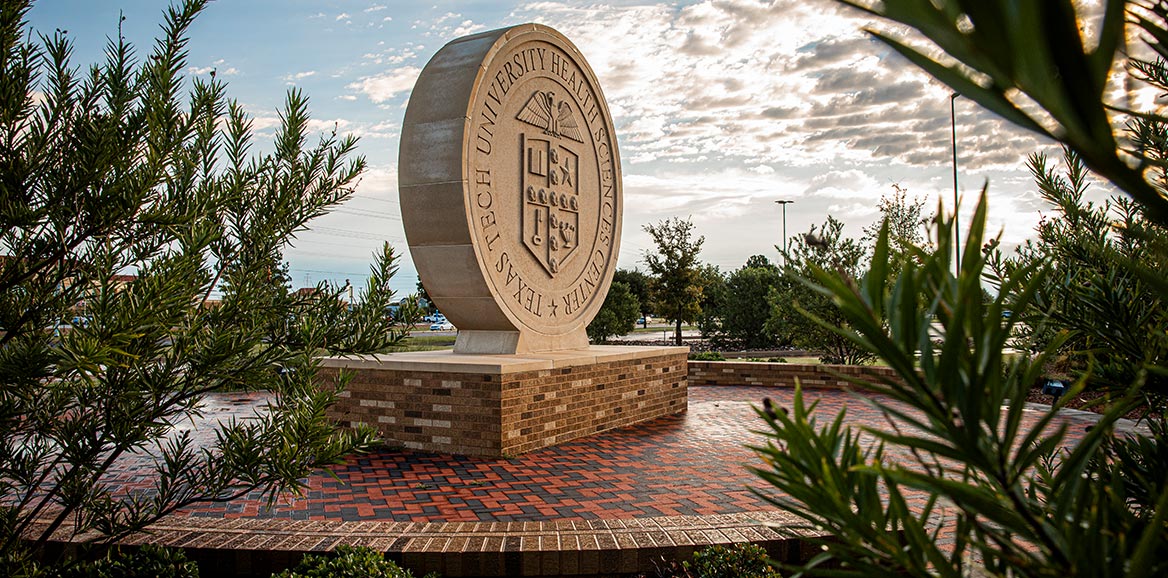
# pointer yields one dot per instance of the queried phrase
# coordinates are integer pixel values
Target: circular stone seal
(510, 190)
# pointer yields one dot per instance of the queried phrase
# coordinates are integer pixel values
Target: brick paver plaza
(605, 504)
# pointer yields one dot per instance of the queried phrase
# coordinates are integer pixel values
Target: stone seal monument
(511, 190)
(510, 187)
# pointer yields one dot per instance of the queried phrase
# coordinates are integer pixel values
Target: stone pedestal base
(505, 405)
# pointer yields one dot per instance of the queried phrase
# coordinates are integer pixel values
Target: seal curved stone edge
(510, 301)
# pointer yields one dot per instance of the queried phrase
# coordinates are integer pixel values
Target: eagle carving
(554, 118)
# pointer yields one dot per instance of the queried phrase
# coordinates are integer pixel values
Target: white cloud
(219, 67)
(845, 184)
(467, 27)
(853, 210)
(324, 125)
(786, 83)
(375, 8)
(378, 182)
(382, 87)
(264, 121)
(291, 78)
(387, 129)
(392, 56)
(342, 16)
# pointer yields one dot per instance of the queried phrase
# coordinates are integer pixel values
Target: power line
(347, 233)
(299, 253)
(346, 245)
(345, 273)
(386, 201)
(368, 213)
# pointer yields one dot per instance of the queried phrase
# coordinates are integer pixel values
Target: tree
(759, 262)
(907, 223)
(109, 174)
(638, 284)
(743, 311)
(907, 228)
(424, 299)
(808, 315)
(676, 287)
(1099, 297)
(617, 316)
(713, 285)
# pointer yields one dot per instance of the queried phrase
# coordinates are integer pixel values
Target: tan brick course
(738, 373)
(512, 407)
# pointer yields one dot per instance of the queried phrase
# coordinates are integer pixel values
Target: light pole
(956, 226)
(784, 205)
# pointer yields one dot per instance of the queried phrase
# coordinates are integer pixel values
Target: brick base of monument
(505, 405)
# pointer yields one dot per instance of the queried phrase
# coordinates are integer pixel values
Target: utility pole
(956, 212)
(784, 204)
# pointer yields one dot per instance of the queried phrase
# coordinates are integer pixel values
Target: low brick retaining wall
(731, 373)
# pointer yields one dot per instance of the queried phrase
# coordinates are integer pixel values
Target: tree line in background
(763, 304)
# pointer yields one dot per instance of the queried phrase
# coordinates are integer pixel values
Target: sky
(721, 107)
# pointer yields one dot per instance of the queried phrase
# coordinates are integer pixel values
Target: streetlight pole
(956, 212)
(784, 205)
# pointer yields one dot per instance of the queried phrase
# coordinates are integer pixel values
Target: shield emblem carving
(551, 203)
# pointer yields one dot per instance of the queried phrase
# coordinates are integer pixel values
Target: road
(660, 332)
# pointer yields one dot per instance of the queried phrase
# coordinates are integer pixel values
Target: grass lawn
(423, 342)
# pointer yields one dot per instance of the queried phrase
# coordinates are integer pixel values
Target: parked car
(443, 325)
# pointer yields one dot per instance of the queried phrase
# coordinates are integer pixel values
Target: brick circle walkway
(601, 504)
(691, 464)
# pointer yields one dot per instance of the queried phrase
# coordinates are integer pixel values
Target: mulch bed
(1086, 401)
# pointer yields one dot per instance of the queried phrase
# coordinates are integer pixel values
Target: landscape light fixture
(784, 205)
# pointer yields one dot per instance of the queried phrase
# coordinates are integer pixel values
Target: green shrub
(707, 356)
(618, 315)
(737, 561)
(149, 561)
(348, 562)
